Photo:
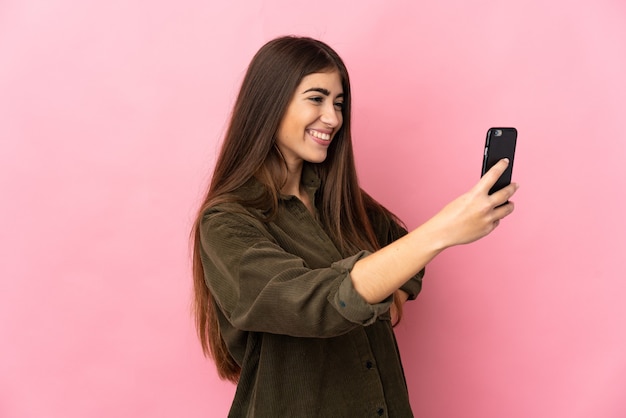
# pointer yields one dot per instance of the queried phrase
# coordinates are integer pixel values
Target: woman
(297, 271)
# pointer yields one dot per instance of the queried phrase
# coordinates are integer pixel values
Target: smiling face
(312, 119)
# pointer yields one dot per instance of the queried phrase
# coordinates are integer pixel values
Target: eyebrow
(324, 91)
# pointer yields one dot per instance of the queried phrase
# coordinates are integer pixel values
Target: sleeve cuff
(348, 302)
(414, 285)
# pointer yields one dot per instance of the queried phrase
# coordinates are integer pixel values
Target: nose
(331, 116)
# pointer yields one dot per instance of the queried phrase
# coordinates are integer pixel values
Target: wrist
(431, 237)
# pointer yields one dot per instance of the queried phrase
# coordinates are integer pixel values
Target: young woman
(297, 271)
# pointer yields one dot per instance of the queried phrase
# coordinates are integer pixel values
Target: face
(312, 119)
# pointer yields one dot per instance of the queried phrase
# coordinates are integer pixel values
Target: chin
(316, 159)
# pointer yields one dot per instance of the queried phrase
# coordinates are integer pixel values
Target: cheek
(293, 120)
(285, 128)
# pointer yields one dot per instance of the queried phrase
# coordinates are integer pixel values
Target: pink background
(110, 116)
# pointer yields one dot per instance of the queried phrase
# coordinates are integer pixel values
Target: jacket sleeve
(261, 287)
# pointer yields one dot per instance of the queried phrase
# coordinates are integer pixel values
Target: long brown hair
(249, 151)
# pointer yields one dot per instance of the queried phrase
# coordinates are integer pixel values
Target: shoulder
(238, 204)
(229, 229)
(229, 213)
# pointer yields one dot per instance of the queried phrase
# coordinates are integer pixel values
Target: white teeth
(320, 135)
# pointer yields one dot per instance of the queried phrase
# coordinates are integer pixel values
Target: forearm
(380, 274)
(469, 217)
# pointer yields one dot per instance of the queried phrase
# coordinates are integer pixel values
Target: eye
(339, 105)
(317, 99)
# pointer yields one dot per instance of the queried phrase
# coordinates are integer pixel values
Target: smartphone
(500, 143)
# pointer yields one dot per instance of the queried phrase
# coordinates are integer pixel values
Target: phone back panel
(500, 143)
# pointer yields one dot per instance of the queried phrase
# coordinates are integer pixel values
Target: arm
(259, 286)
(466, 219)
(389, 229)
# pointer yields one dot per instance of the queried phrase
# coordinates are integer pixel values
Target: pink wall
(111, 112)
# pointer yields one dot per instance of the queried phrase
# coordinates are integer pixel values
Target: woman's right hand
(466, 219)
(475, 214)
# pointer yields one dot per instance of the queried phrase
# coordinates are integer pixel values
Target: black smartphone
(500, 143)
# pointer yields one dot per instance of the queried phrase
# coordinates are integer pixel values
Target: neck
(294, 177)
(293, 186)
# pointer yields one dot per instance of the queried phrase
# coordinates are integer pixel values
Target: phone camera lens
(497, 132)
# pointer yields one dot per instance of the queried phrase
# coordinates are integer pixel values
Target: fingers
(502, 206)
(477, 213)
(489, 179)
(503, 195)
(502, 212)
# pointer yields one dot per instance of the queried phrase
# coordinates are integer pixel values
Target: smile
(319, 135)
